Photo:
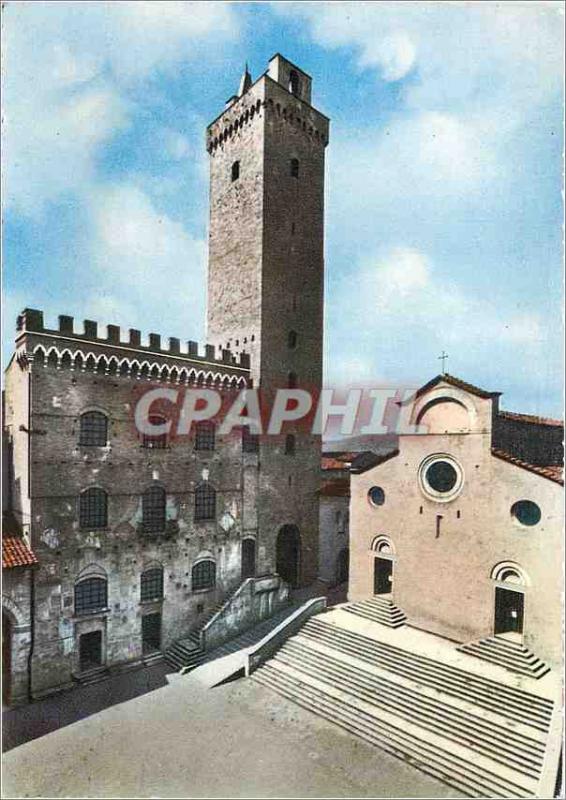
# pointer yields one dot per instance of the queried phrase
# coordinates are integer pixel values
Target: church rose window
(93, 429)
(441, 477)
(376, 496)
(526, 512)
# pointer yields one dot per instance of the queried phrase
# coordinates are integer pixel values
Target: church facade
(460, 527)
(134, 539)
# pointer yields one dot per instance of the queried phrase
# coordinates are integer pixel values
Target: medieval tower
(266, 284)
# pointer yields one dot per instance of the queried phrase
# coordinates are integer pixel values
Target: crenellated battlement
(292, 110)
(66, 347)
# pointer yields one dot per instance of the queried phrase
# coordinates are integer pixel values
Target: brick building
(140, 538)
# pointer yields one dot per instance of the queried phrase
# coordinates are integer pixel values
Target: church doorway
(6, 658)
(90, 650)
(509, 611)
(288, 552)
(382, 576)
(342, 565)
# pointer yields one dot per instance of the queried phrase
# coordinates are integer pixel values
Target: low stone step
(445, 765)
(504, 701)
(523, 664)
(496, 742)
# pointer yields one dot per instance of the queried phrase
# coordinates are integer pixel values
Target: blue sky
(443, 225)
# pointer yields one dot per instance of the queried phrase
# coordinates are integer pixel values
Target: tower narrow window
(235, 171)
(93, 509)
(151, 584)
(294, 167)
(154, 502)
(292, 340)
(205, 434)
(290, 445)
(205, 502)
(293, 82)
(292, 380)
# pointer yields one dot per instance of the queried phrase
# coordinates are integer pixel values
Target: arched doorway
(6, 658)
(288, 554)
(342, 565)
(248, 558)
(509, 600)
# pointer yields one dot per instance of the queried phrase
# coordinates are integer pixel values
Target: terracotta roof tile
(558, 423)
(328, 462)
(368, 460)
(552, 472)
(16, 553)
(336, 488)
(459, 384)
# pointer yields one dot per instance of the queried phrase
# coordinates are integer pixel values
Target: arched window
(153, 509)
(93, 508)
(91, 595)
(292, 340)
(93, 429)
(151, 584)
(290, 445)
(294, 167)
(155, 442)
(293, 82)
(235, 171)
(203, 576)
(205, 434)
(292, 380)
(205, 502)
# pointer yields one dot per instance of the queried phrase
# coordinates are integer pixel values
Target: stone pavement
(237, 740)
(24, 723)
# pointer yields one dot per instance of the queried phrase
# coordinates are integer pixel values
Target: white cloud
(394, 55)
(148, 258)
(68, 74)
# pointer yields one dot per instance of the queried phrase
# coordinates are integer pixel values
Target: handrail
(227, 602)
(265, 648)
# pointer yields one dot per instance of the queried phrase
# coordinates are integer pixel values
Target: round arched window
(441, 477)
(376, 496)
(526, 512)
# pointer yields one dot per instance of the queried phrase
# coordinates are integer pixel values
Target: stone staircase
(514, 656)
(483, 738)
(378, 609)
(188, 652)
(90, 676)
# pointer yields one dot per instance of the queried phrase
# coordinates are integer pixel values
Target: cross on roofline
(443, 358)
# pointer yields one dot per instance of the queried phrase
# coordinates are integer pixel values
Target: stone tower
(266, 283)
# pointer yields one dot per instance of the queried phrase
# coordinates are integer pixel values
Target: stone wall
(255, 600)
(16, 585)
(61, 469)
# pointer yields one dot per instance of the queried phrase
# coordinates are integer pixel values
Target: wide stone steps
(506, 701)
(513, 656)
(519, 752)
(94, 675)
(383, 730)
(378, 610)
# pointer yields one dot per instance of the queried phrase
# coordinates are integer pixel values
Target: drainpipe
(32, 630)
